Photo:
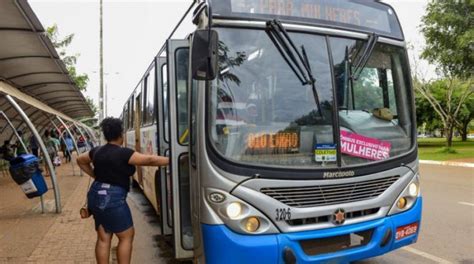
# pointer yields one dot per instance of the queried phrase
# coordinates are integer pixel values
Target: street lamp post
(101, 92)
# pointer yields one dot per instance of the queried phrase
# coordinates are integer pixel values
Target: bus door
(138, 118)
(178, 62)
(163, 181)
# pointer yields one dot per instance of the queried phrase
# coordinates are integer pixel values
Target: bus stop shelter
(36, 90)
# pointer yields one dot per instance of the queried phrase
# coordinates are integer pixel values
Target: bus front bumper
(222, 245)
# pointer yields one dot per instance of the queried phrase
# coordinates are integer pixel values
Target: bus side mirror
(204, 53)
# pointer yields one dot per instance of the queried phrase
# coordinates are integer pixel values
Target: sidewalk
(466, 163)
(70, 239)
(27, 236)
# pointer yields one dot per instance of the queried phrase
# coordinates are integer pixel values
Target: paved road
(447, 230)
(146, 222)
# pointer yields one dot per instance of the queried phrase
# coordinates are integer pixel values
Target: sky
(134, 32)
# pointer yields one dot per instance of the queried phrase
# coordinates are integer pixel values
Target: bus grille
(321, 195)
(327, 218)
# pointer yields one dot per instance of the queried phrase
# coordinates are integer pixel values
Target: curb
(448, 163)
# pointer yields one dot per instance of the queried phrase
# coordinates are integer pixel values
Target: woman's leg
(102, 247)
(124, 249)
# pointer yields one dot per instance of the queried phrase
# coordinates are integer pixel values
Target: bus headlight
(252, 224)
(413, 189)
(234, 210)
(407, 198)
(402, 203)
(238, 215)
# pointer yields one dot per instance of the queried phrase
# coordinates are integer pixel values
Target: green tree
(447, 97)
(61, 44)
(466, 115)
(449, 34)
(427, 119)
(448, 28)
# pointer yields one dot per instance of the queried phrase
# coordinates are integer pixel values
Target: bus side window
(193, 116)
(130, 115)
(132, 112)
(182, 62)
(164, 78)
(125, 116)
(144, 105)
(150, 97)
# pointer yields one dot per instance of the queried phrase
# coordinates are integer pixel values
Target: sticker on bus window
(325, 152)
(273, 143)
(364, 147)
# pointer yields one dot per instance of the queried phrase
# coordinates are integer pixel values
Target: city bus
(290, 127)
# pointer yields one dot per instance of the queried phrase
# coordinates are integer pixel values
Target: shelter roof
(29, 62)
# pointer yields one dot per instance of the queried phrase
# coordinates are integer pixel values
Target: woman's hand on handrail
(139, 159)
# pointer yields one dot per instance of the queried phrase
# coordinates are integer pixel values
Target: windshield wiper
(298, 62)
(364, 58)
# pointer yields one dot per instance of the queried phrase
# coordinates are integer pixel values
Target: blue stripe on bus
(222, 245)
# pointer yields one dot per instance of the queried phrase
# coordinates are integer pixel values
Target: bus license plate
(406, 230)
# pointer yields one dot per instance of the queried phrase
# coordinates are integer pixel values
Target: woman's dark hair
(111, 128)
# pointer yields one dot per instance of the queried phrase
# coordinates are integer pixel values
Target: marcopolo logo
(338, 174)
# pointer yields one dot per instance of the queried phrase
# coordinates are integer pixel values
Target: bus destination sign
(297, 8)
(344, 13)
(281, 142)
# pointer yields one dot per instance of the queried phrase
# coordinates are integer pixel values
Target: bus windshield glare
(261, 114)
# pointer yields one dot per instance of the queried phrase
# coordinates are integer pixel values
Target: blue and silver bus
(290, 126)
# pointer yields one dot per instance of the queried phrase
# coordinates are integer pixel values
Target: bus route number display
(280, 142)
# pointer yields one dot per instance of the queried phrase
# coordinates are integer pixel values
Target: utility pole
(101, 55)
(106, 107)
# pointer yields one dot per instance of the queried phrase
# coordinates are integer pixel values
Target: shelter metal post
(89, 131)
(65, 144)
(91, 135)
(14, 130)
(48, 160)
(42, 204)
(72, 137)
(83, 136)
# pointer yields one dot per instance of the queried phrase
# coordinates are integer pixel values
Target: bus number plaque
(283, 214)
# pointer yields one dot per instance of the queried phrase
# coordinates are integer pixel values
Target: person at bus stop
(69, 146)
(34, 145)
(112, 165)
(20, 149)
(52, 146)
(6, 151)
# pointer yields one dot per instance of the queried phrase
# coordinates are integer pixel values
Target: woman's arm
(84, 162)
(139, 159)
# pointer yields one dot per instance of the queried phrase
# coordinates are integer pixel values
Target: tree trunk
(463, 131)
(449, 135)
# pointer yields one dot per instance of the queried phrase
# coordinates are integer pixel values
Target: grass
(434, 149)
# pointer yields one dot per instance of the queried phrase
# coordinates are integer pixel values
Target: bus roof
(358, 15)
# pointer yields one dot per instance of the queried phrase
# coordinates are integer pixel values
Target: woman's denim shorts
(108, 205)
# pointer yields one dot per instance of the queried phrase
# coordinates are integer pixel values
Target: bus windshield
(261, 114)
